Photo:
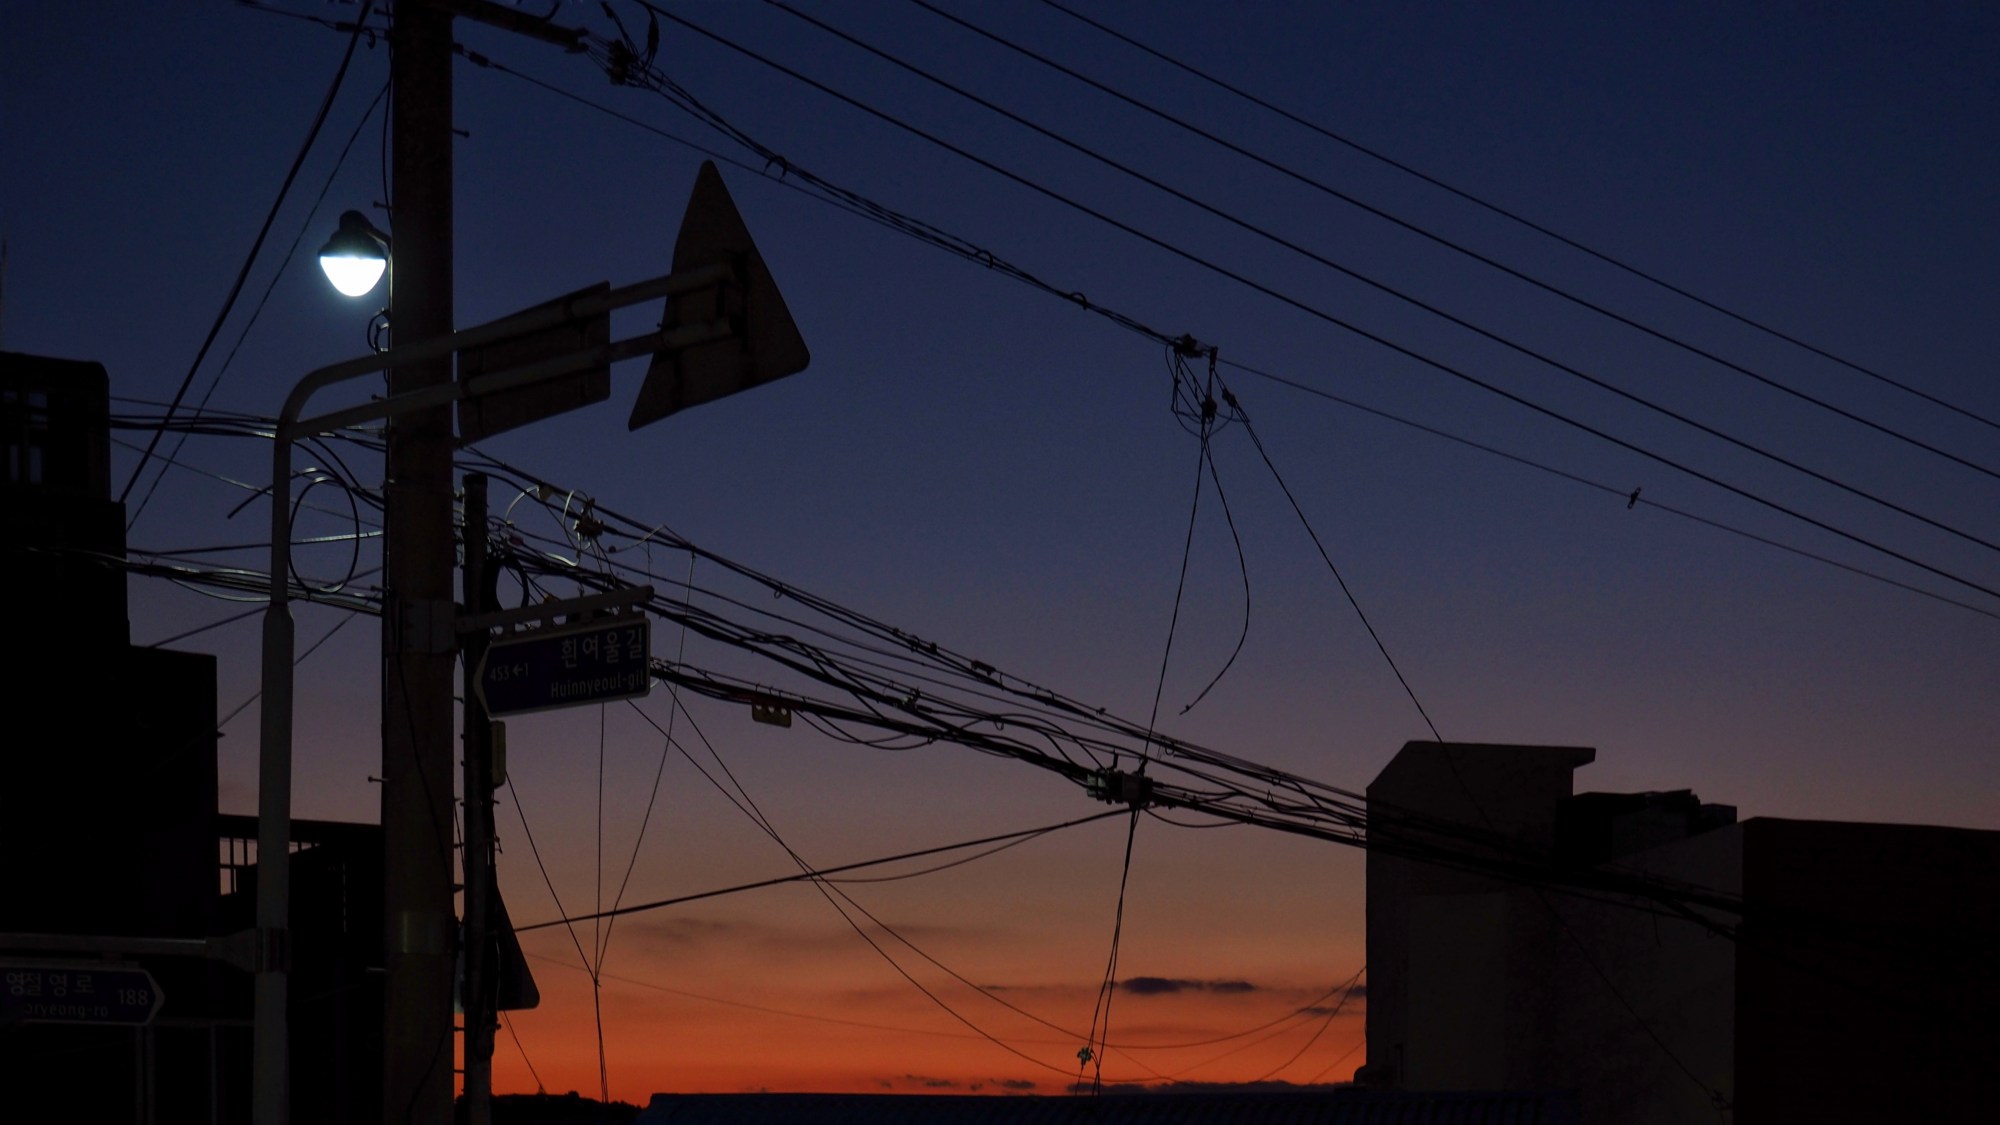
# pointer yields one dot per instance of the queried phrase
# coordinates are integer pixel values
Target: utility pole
(479, 998)
(417, 627)
(730, 330)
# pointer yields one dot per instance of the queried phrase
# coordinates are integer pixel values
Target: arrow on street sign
(544, 669)
(766, 344)
(88, 992)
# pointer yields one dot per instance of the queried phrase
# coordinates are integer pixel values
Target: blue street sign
(77, 992)
(562, 667)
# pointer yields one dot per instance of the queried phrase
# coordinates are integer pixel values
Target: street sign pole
(478, 995)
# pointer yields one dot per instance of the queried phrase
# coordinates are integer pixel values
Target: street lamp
(356, 256)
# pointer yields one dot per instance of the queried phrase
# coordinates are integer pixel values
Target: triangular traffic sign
(766, 344)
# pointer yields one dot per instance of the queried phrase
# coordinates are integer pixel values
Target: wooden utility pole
(417, 627)
(420, 621)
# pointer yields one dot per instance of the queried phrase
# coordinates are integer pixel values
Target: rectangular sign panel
(573, 664)
(497, 411)
(77, 992)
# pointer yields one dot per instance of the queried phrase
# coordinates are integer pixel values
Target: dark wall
(1867, 980)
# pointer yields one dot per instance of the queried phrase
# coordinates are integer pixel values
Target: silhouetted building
(108, 817)
(1857, 984)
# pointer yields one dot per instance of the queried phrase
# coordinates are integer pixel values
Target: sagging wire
(1210, 420)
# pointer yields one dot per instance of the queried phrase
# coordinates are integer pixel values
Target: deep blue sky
(996, 469)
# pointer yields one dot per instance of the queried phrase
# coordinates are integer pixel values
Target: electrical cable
(1324, 1024)
(1330, 318)
(563, 915)
(254, 489)
(1180, 584)
(659, 772)
(1324, 1071)
(1432, 236)
(1277, 815)
(199, 629)
(1631, 497)
(1007, 838)
(791, 175)
(1380, 286)
(243, 274)
(1109, 989)
(256, 312)
(1207, 408)
(597, 942)
(516, 1036)
(1516, 217)
(1320, 546)
(829, 894)
(749, 808)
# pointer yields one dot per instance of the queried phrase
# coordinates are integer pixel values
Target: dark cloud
(1347, 1003)
(1163, 986)
(1156, 986)
(1014, 1084)
(930, 1083)
(685, 931)
(1169, 1089)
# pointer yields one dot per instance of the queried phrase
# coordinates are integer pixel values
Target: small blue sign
(77, 992)
(568, 665)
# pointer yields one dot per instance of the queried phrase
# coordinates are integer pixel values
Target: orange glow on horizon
(726, 1037)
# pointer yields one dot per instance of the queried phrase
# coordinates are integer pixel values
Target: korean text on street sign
(568, 665)
(77, 992)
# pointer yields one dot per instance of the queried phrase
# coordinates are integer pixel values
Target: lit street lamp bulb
(355, 256)
(353, 274)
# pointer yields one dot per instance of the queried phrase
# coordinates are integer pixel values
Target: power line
(1432, 236)
(1328, 317)
(1430, 307)
(791, 175)
(256, 244)
(271, 287)
(1516, 217)
(1262, 802)
(1632, 497)
(1324, 1024)
(817, 873)
(749, 807)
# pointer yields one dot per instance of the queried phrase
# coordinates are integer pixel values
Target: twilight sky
(998, 470)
